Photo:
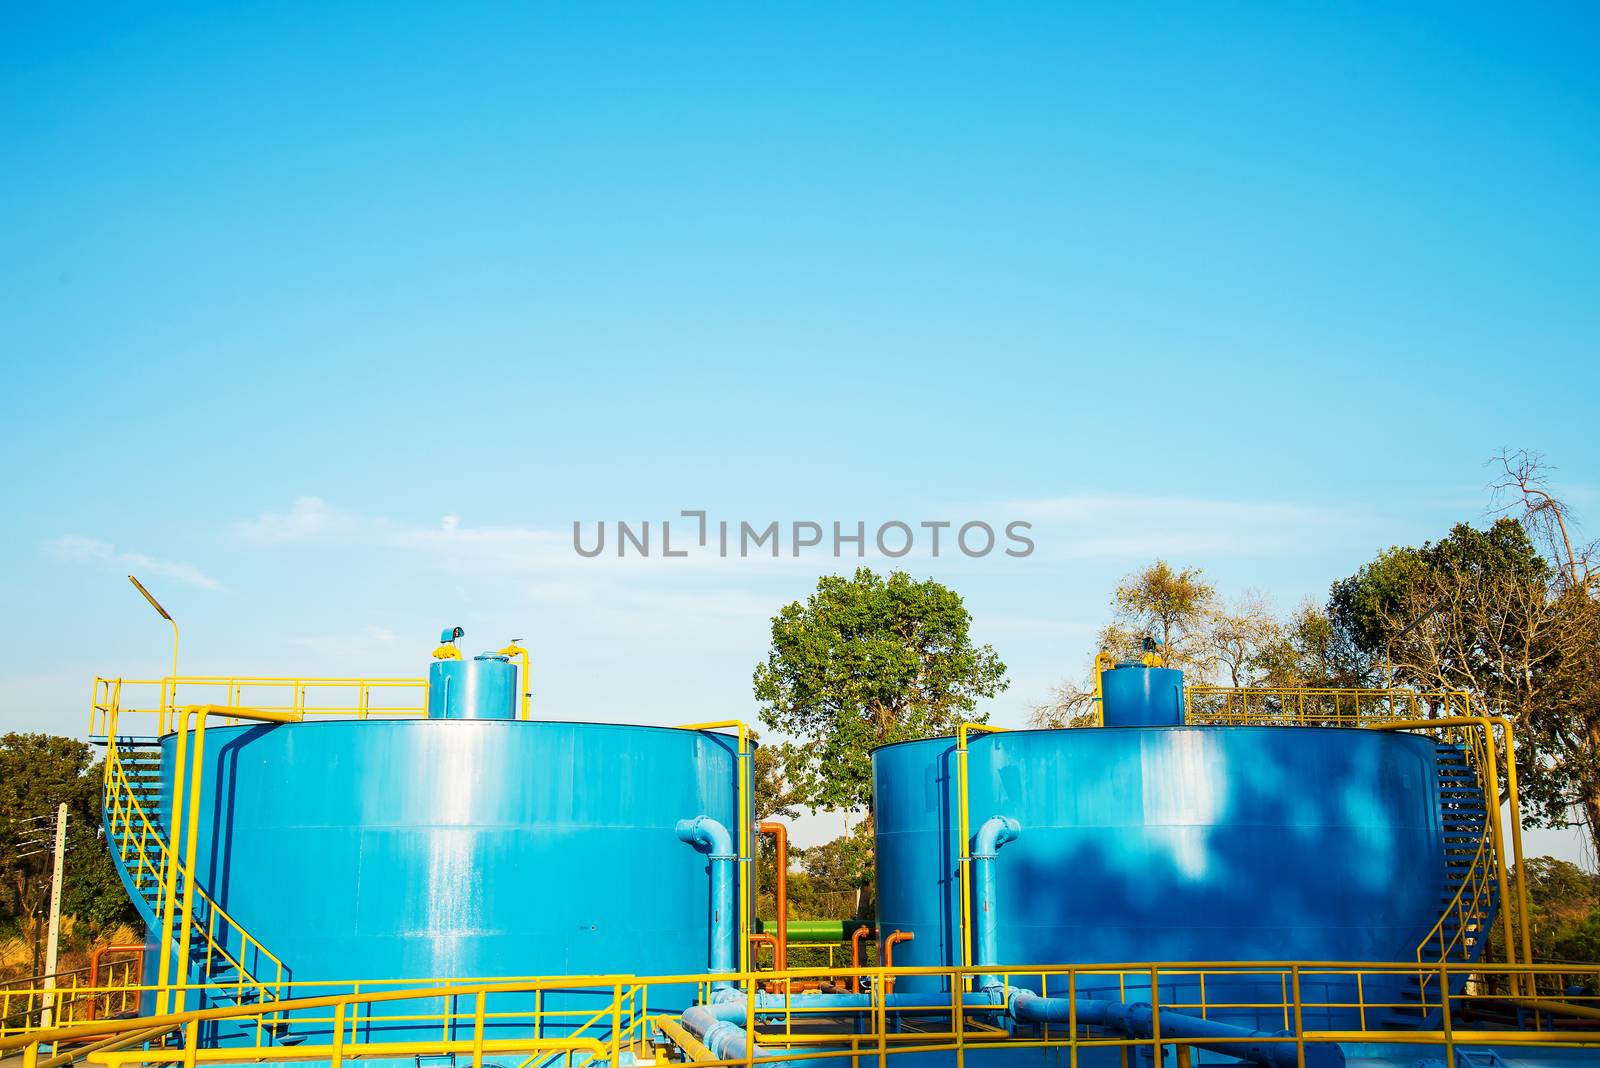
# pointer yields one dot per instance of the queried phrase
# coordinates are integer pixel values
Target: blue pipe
(721, 1027)
(1137, 1020)
(995, 832)
(710, 837)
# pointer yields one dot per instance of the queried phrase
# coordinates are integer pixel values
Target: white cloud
(77, 549)
(312, 521)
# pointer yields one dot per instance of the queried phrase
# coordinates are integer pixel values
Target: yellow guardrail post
(188, 782)
(964, 831)
(477, 1030)
(1155, 1016)
(1509, 733)
(1299, 1022)
(169, 887)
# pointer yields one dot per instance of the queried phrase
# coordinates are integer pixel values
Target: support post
(47, 1017)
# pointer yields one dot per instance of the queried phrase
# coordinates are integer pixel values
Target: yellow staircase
(230, 964)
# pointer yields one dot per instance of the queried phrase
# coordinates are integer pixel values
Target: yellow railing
(585, 1020)
(300, 698)
(150, 862)
(1319, 706)
(77, 995)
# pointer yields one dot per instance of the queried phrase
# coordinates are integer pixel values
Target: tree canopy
(1487, 611)
(37, 773)
(862, 662)
(1163, 603)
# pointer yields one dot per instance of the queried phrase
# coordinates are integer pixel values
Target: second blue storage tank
(1168, 844)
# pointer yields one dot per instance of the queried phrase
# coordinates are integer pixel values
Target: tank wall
(1180, 844)
(436, 848)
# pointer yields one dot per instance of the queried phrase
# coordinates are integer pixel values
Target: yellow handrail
(963, 830)
(302, 697)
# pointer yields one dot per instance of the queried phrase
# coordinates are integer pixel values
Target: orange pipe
(855, 955)
(778, 986)
(765, 939)
(780, 841)
(94, 970)
(888, 956)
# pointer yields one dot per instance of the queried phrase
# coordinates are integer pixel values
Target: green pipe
(819, 930)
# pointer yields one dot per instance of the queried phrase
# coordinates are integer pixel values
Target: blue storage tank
(484, 687)
(439, 848)
(466, 844)
(1133, 695)
(1168, 844)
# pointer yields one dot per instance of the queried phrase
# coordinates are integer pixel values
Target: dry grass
(16, 954)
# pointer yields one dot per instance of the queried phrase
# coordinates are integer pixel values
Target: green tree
(865, 661)
(1308, 651)
(1485, 611)
(1180, 610)
(37, 773)
(1170, 606)
(1563, 912)
(1408, 587)
(840, 873)
(771, 792)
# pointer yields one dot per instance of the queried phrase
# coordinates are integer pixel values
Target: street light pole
(164, 615)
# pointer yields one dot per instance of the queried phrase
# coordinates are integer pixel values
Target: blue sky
(1256, 287)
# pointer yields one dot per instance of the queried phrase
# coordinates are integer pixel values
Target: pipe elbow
(706, 835)
(995, 832)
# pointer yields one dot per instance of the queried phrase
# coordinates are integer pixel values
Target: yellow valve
(447, 644)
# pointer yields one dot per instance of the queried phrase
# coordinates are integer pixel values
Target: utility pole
(48, 1013)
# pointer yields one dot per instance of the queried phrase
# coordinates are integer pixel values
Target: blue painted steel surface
(1136, 696)
(484, 687)
(1170, 844)
(437, 848)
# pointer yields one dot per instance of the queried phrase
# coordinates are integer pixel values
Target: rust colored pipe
(855, 956)
(137, 953)
(764, 940)
(780, 842)
(888, 955)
